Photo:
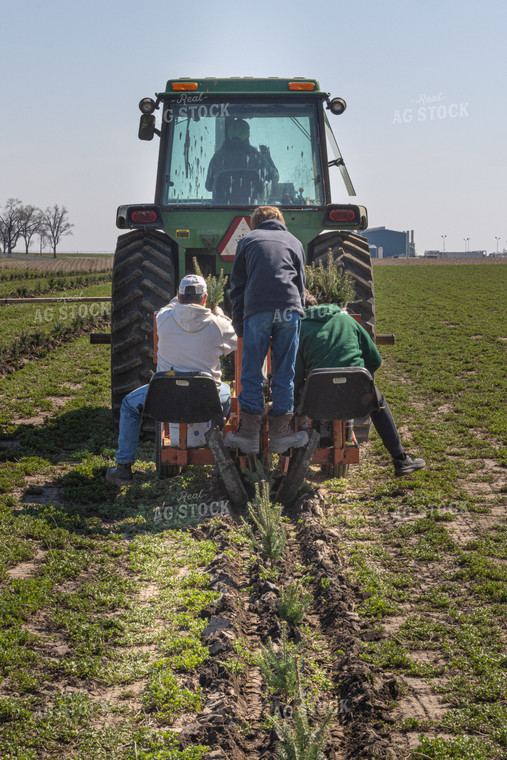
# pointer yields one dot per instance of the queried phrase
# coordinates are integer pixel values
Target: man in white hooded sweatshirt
(191, 338)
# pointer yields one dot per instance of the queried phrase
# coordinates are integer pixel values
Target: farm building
(386, 243)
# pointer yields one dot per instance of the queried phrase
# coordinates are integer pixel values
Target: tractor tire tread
(351, 252)
(143, 282)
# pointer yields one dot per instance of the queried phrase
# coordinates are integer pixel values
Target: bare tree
(9, 224)
(56, 225)
(29, 224)
(43, 237)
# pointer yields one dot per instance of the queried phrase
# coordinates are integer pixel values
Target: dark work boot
(282, 436)
(404, 465)
(246, 437)
(121, 474)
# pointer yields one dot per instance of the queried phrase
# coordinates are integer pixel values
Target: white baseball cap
(192, 285)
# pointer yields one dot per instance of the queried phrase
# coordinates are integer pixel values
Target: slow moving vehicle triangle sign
(240, 226)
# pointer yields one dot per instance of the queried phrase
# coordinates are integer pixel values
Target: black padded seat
(182, 397)
(338, 393)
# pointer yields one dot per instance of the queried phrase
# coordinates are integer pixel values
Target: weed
(462, 748)
(166, 698)
(393, 656)
(149, 744)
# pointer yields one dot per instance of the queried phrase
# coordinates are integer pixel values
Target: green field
(392, 592)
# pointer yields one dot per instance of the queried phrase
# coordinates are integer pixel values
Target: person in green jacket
(332, 338)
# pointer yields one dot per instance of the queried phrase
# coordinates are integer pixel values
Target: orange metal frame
(182, 455)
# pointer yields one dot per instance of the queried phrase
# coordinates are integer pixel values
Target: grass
(403, 538)
(87, 558)
(101, 595)
(450, 313)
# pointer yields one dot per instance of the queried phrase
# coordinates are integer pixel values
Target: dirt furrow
(365, 694)
(230, 721)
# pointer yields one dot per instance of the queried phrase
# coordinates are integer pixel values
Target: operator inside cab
(238, 172)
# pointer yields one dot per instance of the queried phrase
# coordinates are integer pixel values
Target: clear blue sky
(73, 73)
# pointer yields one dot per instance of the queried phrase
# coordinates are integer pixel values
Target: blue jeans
(283, 327)
(131, 417)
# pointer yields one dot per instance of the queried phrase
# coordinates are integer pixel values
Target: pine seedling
(329, 283)
(294, 602)
(258, 472)
(279, 668)
(301, 742)
(215, 285)
(267, 518)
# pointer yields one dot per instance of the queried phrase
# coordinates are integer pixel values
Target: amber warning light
(184, 86)
(301, 85)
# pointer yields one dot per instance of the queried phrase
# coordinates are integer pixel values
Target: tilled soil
(70, 264)
(231, 722)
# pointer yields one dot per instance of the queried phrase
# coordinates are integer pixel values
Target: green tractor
(226, 147)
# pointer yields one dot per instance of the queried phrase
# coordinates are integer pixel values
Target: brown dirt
(364, 692)
(24, 570)
(231, 721)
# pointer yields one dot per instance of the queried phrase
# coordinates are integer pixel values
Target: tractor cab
(243, 154)
(229, 145)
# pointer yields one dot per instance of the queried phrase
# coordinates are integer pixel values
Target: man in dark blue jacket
(267, 294)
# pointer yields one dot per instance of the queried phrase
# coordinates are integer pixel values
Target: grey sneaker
(406, 465)
(121, 474)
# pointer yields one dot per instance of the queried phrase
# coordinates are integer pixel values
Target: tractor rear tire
(143, 282)
(350, 252)
(163, 470)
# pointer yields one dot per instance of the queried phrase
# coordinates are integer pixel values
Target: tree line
(18, 221)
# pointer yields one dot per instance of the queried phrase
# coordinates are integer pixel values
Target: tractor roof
(244, 86)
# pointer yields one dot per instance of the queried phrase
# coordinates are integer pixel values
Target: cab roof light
(301, 85)
(179, 86)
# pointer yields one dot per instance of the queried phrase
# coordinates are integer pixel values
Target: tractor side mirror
(146, 126)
